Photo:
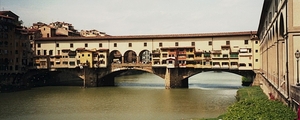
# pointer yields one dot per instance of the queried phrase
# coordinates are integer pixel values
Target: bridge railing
(130, 65)
(141, 66)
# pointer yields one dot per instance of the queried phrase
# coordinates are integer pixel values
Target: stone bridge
(174, 77)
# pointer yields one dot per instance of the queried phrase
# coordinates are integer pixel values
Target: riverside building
(279, 32)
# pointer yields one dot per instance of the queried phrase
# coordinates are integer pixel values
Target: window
(249, 50)
(234, 55)
(193, 43)
(48, 35)
(129, 44)
(209, 43)
(256, 60)
(246, 42)
(72, 63)
(16, 67)
(17, 52)
(38, 52)
(39, 45)
(71, 45)
(206, 54)
(256, 42)
(45, 52)
(50, 52)
(85, 45)
(115, 44)
(100, 44)
(57, 44)
(256, 51)
(165, 55)
(250, 64)
(160, 44)
(58, 52)
(145, 44)
(176, 43)
(227, 42)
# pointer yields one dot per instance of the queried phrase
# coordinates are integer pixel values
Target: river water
(141, 97)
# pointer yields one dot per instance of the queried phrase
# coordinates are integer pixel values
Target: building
(56, 29)
(232, 50)
(91, 33)
(279, 32)
(15, 52)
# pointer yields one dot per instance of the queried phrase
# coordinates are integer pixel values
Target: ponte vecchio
(174, 57)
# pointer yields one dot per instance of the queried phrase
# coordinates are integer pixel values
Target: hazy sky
(135, 17)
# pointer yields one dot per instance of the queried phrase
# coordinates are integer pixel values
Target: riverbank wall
(290, 97)
(23, 81)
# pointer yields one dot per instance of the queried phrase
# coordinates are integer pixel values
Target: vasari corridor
(52, 71)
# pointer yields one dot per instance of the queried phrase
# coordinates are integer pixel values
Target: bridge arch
(145, 57)
(249, 74)
(115, 56)
(130, 56)
(109, 79)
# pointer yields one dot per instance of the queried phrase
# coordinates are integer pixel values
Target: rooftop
(195, 35)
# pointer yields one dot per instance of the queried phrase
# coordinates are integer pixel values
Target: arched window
(281, 26)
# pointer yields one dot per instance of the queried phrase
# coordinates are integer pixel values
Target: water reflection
(215, 80)
(140, 80)
(205, 80)
(137, 97)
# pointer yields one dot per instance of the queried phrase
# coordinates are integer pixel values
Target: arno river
(140, 97)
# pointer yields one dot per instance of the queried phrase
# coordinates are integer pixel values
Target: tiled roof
(176, 48)
(196, 35)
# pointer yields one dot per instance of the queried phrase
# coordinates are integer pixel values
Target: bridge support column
(90, 77)
(174, 79)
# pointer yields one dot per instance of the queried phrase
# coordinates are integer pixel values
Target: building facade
(55, 29)
(232, 50)
(15, 52)
(279, 32)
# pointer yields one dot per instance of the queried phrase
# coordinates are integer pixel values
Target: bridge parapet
(138, 66)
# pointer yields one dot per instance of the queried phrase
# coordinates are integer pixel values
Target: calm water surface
(135, 97)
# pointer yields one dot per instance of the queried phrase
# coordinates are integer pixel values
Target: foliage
(245, 79)
(253, 104)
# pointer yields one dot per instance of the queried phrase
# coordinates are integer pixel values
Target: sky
(142, 17)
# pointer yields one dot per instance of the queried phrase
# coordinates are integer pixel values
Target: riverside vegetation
(253, 104)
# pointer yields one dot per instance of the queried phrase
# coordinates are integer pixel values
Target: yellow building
(86, 57)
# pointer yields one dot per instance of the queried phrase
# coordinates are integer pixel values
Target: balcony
(216, 67)
(234, 67)
(245, 54)
(155, 51)
(181, 57)
(207, 66)
(225, 65)
(182, 53)
(198, 66)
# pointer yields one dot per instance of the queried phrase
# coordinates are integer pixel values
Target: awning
(244, 50)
